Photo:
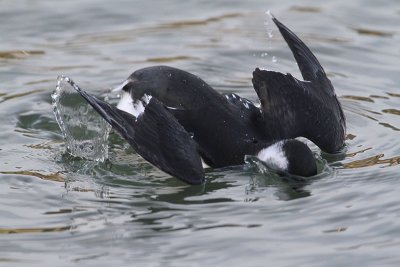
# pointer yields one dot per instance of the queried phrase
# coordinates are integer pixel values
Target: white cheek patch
(134, 108)
(126, 103)
(120, 87)
(274, 157)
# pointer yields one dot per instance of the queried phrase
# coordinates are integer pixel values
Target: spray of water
(270, 34)
(84, 131)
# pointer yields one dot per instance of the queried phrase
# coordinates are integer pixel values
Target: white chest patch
(274, 156)
(136, 107)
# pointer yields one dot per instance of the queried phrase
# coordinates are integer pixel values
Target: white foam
(274, 156)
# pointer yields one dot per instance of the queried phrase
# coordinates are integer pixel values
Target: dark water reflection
(60, 210)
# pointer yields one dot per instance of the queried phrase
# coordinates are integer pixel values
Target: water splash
(269, 27)
(84, 131)
(270, 33)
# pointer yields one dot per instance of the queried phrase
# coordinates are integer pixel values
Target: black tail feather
(291, 109)
(307, 108)
(309, 65)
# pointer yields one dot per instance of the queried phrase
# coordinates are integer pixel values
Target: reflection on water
(121, 36)
(373, 32)
(359, 98)
(392, 111)
(34, 230)
(394, 94)
(19, 54)
(387, 125)
(169, 59)
(374, 160)
(5, 97)
(350, 155)
(306, 9)
(58, 177)
(190, 23)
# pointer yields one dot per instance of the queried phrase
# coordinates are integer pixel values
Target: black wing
(291, 109)
(155, 135)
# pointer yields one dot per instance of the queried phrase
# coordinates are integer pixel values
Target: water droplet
(84, 131)
(269, 14)
(269, 28)
(274, 59)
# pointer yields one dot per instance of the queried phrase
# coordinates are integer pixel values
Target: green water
(56, 210)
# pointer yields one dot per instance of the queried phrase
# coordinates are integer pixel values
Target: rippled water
(59, 210)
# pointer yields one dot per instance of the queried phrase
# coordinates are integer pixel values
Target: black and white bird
(174, 119)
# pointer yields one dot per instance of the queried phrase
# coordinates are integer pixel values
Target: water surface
(59, 210)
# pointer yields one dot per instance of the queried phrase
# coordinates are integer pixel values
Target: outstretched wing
(291, 108)
(155, 135)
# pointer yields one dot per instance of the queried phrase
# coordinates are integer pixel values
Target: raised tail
(290, 109)
(309, 65)
(307, 108)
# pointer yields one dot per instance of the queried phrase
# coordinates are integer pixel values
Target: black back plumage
(223, 129)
